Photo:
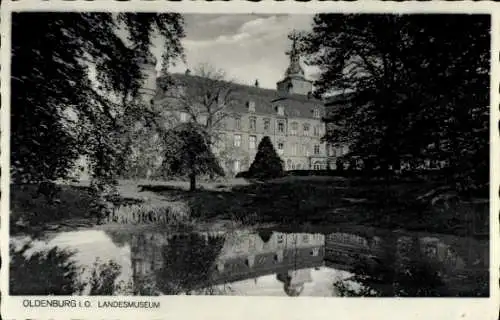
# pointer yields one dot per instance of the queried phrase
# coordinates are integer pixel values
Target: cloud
(256, 29)
(247, 47)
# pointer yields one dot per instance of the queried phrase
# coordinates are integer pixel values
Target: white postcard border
(215, 307)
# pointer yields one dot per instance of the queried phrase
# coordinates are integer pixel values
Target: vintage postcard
(285, 160)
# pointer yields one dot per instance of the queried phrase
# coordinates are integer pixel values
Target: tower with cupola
(294, 81)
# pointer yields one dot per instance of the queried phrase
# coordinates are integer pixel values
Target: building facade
(289, 115)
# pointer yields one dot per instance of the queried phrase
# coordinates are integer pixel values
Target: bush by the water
(52, 272)
(267, 164)
(170, 213)
(55, 272)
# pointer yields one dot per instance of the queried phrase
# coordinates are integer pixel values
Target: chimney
(188, 72)
(257, 83)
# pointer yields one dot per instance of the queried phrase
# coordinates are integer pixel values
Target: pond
(260, 263)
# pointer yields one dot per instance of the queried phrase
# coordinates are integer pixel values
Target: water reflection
(241, 262)
(289, 264)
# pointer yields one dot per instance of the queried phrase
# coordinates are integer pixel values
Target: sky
(246, 47)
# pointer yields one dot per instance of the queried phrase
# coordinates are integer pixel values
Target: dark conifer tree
(267, 164)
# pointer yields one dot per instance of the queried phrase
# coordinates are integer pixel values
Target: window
(253, 123)
(280, 239)
(281, 110)
(267, 124)
(281, 146)
(295, 128)
(316, 149)
(251, 106)
(251, 142)
(317, 166)
(237, 140)
(236, 165)
(294, 149)
(184, 117)
(316, 113)
(281, 127)
(306, 129)
(304, 150)
(316, 131)
(315, 252)
(237, 123)
(344, 150)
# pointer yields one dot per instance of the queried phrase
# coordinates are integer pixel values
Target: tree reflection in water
(291, 289)
(405, 274)
(188, 262)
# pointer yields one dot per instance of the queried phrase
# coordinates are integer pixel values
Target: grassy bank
(316, 201)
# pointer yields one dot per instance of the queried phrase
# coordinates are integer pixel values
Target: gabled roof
(266, 100)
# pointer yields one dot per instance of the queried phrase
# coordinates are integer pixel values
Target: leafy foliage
(267, 164)
(103, 277)
(417, 87)
(55, 272)
(189, 154)
(75, 87)
(43, 273)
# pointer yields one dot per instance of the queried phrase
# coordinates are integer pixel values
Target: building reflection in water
(189, 264)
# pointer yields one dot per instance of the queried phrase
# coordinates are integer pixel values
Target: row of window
(281, 110)
(281, 127)
(252, 143)
(290, 165)
(252, 125)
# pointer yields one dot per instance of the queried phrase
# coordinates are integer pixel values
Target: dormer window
(251, 106)
(281, 110)
(316, 113)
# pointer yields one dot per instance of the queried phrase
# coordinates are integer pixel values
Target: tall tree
(75, 86)
(205, 95)
(418, 85)
(188, 154)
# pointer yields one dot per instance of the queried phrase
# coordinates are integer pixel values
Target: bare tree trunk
(192, 182)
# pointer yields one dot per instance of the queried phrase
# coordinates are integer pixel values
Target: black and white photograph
(271, 155)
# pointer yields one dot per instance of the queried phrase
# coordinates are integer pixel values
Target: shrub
(52, 272)
(103, 277)
(267, 164)
(170, 213)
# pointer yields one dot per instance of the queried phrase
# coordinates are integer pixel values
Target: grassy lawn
(326, 200)
(291, 201)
